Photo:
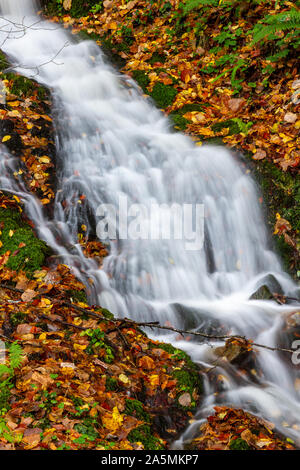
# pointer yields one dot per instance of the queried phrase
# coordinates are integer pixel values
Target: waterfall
(18, 8)
(113, 145)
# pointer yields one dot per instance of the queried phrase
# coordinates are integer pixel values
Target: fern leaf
(193, 4)
(4, 369)
(286, 21)
(15, 356)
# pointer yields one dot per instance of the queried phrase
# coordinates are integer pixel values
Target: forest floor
(75, 377)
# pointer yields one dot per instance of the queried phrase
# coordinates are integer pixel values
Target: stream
(113, 145)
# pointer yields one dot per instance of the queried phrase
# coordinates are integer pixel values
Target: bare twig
(127, 322)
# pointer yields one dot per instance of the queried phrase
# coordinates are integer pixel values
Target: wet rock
(14, 144)
(235, 351)
(269, 287)
(263, 293)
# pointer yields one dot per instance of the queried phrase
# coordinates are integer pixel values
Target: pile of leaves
(225, 72)
(235, 429)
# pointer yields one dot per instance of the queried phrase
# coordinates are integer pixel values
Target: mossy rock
(177, 354)
(163, 95)
(187, 376)
(142, 79)
(27, 252)
(3, 62)
(188, 381)
(239, 444)
(24, 87)
(281, 191)
(136, 408)
(78, 295)
(4, 398)
(263, 293)
(191, 107)
(16, 319)
(111, 384)
(157, 58)
(179, 121)
(235, 126)
(87, 428)
(144, 435)
(107, 314)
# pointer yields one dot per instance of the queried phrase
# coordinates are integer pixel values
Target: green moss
(3, 62)
(107, 314)
(188, 381)
(87, 428)
(163, 95)
(142, 79)
(179, 121)
(136, 408)
(127, 35)
(22, 86)
(78, 295)
(111, 384)
(84, 34)
(144, 435)
(235, 126)
(281, 191)
(17, 318)
(79, 8)
(156, 57)
(4, 398)
(239, 444)
(190, 107)
(187, 377)
(16, 233)
(177, 116)
(112, 51)
(177, 354)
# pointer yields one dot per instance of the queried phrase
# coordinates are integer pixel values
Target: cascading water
(112, 143)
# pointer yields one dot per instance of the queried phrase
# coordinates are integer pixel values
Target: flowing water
(112, 143)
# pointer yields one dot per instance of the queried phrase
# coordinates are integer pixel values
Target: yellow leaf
(6, 138)
(14, 103)
(44, 159)
(113, 420)
(80, 347)
(154, 380)
(123, 378)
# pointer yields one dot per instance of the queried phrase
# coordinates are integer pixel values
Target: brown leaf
(67, 4)
(235, 104)
(290, 118)
(260, 154)
(185, 399)
(146, 362)
(28, 295)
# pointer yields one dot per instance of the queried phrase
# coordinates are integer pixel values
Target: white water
(112, 142)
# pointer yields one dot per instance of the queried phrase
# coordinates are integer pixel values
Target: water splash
(113, 142)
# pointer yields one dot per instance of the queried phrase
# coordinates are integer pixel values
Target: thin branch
(126, 322)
